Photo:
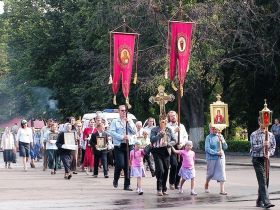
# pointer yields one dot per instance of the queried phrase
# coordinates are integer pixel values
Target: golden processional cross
(161, 99)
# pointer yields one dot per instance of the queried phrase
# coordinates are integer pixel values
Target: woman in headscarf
(215, 145)
(8, 145)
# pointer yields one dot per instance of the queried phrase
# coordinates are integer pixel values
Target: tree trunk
(193, 112)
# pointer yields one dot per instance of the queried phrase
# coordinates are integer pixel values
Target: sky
(1, 7)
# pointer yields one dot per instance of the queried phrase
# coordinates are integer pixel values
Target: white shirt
(48, 144)
(44, 130)
(148, 130)
(183, 132)
(7, 141)
(25, 135)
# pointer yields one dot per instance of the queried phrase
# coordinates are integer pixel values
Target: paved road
(36, 189)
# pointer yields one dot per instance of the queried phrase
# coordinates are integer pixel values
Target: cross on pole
(161, 99)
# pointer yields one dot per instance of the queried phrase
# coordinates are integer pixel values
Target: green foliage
(64, 46)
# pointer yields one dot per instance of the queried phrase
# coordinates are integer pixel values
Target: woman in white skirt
(8, 145)
(137, 166)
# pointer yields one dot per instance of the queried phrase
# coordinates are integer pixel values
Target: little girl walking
(137, 166)
(187, 170)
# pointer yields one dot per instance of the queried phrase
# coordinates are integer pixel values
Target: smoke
(44, 105)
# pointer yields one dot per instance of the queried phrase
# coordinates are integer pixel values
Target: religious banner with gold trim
(180, 49)
(124, 44)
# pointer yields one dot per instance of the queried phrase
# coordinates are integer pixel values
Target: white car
(107, 114)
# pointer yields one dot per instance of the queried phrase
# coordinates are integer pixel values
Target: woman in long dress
(215, 145)
(89, 157)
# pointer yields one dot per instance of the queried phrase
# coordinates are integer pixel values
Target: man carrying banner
(162, 139)
(122, 131)
(175, 163)
(261, 139)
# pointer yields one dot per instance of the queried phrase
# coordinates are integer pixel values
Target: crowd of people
(133, 149)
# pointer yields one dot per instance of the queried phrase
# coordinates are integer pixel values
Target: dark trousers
(83, 156)
(103, 156)
(259, 166)
(66, 159)
(173, 169)
(147, 158)
(121, 162)
(74, 154)
(162, 161)
(52, 158)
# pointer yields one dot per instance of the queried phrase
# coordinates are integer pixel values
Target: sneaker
(140, 192)
(267, 206)
(128, 188)
(180, 190)
(165, 193)
(193, 193)
(94, 176)
(172, 187)
(115, 184)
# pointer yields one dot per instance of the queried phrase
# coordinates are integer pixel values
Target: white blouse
(7, 141)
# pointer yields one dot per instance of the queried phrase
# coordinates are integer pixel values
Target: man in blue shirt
(122, 130)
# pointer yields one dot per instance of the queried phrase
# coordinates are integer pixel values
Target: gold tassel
(173, 86)
(181, 90)
(135, 78)
(110, 80)
(115, 100)
(127, 103)
(166, 74)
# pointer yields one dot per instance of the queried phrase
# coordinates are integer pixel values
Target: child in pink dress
(137, 165)
(187, 170)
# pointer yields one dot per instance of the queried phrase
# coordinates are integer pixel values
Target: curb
(236, 164)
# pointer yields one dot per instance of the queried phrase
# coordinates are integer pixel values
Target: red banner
(180, 49)
(123, 61)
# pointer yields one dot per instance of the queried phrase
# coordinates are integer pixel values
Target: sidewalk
(239, 159)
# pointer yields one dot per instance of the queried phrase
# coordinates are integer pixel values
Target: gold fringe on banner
(115, 100)
(110, 80)
(174, 86)
(166, 74)
(181, 90)
(127, 103)
(135, 78)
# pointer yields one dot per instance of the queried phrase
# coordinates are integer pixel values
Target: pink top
(136, 157)
(188, 158)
